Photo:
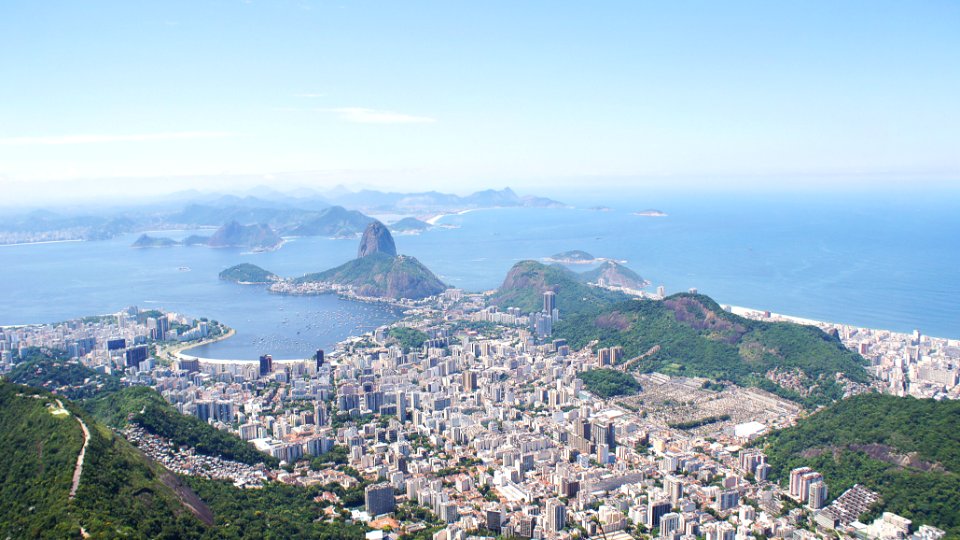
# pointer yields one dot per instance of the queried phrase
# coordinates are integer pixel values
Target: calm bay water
(882, 262)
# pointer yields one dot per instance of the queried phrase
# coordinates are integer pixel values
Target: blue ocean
(880, 261)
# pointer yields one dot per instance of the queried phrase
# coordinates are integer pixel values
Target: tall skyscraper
(603, 357)
(556, 516)
(656, 510)
(319, 358)
(379, 499)
(266, 364)
(817, 497)
(674, 488)
(549, 302)
(470, 380)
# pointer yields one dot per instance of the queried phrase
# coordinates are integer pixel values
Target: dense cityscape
(482, 419)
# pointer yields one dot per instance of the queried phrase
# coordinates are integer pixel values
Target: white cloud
(93, 139)
(361, 115)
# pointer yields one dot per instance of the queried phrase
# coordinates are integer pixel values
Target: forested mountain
(906, 449)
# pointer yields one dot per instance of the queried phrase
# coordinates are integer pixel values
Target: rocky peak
(376, 239)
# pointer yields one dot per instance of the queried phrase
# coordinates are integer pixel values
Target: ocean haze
(880, 262)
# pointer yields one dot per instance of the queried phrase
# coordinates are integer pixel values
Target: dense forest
(407, 338)
(607, 383)
(906, 449)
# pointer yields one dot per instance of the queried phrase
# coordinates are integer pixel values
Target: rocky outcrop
(376, 239)
(257, 236)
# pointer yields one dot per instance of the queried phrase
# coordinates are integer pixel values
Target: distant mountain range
(339, 213)
(257, 237)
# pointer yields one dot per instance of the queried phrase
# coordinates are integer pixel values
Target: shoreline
(176, 352)
(43, 242)
(759, 314)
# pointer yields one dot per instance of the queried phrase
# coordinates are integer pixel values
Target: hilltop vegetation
(144, 406)
(383, 275)
(573, 256)
(52, 371)
(608, 383)
(906, 449)
(698, 338)
(614, 274)
(121, 493)
(528, 280)
(275, 511)
(407, 338)
(248, 274)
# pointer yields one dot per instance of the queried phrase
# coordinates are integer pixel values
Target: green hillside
(121, 493)
(383, 275)
(143, 405)
(528, 280)
(50, 370)
(608, 383)
(698, 338)
(248, 273)
(906, 449)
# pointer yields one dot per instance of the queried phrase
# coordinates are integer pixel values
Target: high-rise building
(266, 364)
(494, 519)
(603, 434)
(728, 499)
(669, 522)
(795, 477)
(549, 302)
(556, 516)
(135, 355)
(603, 357)
(616, 355)
(674, 488)
(817, 497)
(379, 499)
(319, 358)
(471, 380)
(656, 510)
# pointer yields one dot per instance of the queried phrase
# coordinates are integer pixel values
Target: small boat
(184, 268)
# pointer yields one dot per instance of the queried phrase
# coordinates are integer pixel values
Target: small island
(409, 225)
(256, 237)
(575, 256)
(147, 241)
(650, 213)
(249, 274)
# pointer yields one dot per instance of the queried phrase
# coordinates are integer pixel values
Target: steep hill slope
(698, 338)
(121, 493)
(333, 221)
(906, 449)
(528, 280)
(144, 406)
(257, 236)
(382, 275)
(614, 274)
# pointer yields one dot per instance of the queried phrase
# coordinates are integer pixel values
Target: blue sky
(457, 95)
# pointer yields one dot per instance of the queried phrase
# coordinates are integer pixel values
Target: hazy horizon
(137, 100)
